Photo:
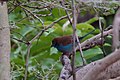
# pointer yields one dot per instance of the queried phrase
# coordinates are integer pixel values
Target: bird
(64, 44)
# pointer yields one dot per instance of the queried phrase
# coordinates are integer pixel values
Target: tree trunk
(4, 43)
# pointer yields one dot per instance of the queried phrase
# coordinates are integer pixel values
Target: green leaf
(92, 20)
(84, 27)
(18, 61)
(107, 44)
(50, 30)
(53, 51)
(92, 52)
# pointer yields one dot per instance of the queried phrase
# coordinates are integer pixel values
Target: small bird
(64, 44)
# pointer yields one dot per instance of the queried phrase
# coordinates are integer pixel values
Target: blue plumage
(65, 49)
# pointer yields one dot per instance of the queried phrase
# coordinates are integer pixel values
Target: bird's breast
(65, 49)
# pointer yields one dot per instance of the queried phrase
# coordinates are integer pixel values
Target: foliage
(44, 61)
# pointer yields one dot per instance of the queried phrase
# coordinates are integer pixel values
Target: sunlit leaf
(53, 51)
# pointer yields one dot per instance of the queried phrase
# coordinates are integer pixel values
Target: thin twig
(21, 41)
(102, 37)
(27, 59)
(9, 11)
(74, 39)
(35, 16)
(68, 16)
(81, 52)
(56, 5)
(37, 7)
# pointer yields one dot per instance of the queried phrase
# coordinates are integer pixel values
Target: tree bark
(116, 29)
(104, 69)
(4, 43)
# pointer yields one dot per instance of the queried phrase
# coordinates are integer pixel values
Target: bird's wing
(65, 40)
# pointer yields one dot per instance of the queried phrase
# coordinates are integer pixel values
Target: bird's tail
(80, 38)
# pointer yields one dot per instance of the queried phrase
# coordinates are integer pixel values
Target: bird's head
(54, 43)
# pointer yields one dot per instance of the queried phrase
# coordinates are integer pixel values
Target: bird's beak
(51, 45)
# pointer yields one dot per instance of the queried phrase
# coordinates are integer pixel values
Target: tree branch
(116, 29)
(92, 70)
(105, 33)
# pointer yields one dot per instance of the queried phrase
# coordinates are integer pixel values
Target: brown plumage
(63, 40)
